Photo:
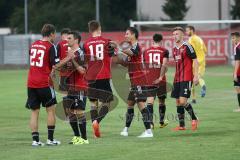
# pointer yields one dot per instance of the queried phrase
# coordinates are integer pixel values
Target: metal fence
(14, 48)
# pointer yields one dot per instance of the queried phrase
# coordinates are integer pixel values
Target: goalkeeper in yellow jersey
(200, 50)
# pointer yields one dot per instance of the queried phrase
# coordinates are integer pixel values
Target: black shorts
(64, 81)
(100, 90)
(160, 91)
(237, 84)
(138, 94)
(37, 96)
(181, 89)
(75, 100)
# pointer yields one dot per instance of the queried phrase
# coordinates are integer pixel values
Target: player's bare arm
(236, 66)
(163, 71)
(79, 68)
(196, 77)
(69, 57)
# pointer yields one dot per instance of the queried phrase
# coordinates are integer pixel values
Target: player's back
(99, 59)
(40, 66)
(153, 59)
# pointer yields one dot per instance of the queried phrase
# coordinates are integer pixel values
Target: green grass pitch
(218, 137)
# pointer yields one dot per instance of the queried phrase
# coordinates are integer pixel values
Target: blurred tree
(175, 9)
(114, 15)
(235, 10)
(6, 8)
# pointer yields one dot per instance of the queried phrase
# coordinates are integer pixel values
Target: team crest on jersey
(185, 91)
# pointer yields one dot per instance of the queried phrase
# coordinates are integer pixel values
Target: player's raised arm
(61, 63)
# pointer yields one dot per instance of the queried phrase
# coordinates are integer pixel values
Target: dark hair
(237, 34)
(47, 29)
(76, 35)
(134, 31)
(178, 29)
(93, 25)
(65, 31)
(191, 28)
(157, 37)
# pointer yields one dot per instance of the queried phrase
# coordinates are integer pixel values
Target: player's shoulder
(136, 46)
(42, 44)
(163, 49)
(98, 39)
(189, 47)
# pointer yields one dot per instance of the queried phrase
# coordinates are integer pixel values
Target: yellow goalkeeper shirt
(199, 47)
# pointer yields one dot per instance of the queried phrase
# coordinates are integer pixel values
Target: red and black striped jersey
(183, 57)
(77, 81)
(136, 68)
(237, 56)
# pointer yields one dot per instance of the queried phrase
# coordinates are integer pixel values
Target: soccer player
(62, 49)
(236, 74)
(184, 56)
(43, 56)
(75, 101)
(137, 76)
(156, 58)
(200, 49)
(98, 75)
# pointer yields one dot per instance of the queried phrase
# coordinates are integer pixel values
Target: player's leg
(94, 117)
(183, 103)
(151, 94)
(237, 88)
(162, 95)
(201, 80)
(94, 109)
(69, 104)
(162, 110)
(51, 121)
(92, 96)
(181, 116)
(150, 102)
(180, 109)
(185, 92)
(48, 99)
(34, 127)
(129, 114)
(33, 103)
(82, 123)
(105, 97)
(141, 97)
(145, 117)
(73, 121)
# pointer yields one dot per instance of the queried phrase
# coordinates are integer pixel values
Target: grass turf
(218, 136)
